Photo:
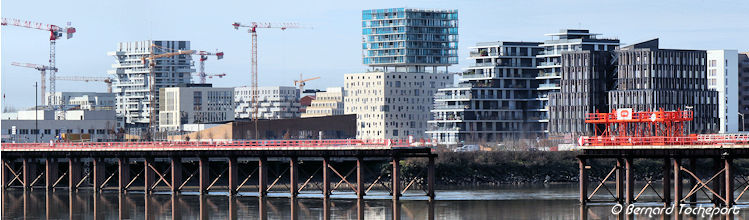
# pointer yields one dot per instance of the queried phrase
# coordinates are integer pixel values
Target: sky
(332, 46)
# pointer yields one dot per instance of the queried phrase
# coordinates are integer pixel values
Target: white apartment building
(392, 105)
(27, 126)
(274, 102)
(723, 76)
(83, 100)
(131, 79)
(194, 105)
(329, 102)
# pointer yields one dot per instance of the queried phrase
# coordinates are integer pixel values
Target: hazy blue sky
(333, 47)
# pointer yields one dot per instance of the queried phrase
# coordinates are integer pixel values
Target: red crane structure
(55, 32)
(252, 29)
(624, 127)
(43, 72)
(203, 57)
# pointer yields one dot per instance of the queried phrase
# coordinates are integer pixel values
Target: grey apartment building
(743, 90)
(494, 100)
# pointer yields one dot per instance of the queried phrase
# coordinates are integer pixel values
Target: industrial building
(405, 50)
(651, 79)
(274, 102)
(495, 98)
(83, 100)
(131, 77)
(46, 125)
(723, 76)
(326, 103)
(194, 104)
(743, 76)
(550, 65)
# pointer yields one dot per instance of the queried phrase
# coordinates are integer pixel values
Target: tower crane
(106, 80)
(42, 71)
(150, 60)
(55, 32)
(203, 57)
(252, 29)
(302, 82)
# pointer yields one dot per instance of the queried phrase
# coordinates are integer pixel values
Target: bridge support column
(262, 177)
(430, 177)
(692, 181)
(729, 182)
(326, 177)
(396, 178)
(74, 173)
(667, 182)
(630, 181)
(718, 181)
(148, 175)
(293, 177)
(677, 181)
(583, 181)
(233, 168)
(123, 174)
(360, 178)
(99, 169)
(176, 163)
(620, 179)
(203, 172)
(50, 173)
(4, 173)
(29, 172)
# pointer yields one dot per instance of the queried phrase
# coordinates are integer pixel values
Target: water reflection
(555, 204)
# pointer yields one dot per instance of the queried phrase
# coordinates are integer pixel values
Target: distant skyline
(333, 46)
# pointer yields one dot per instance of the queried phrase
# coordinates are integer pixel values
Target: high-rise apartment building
(723, 76)
(650, 79)
(274, 102)
(194, 104)
(495, 99)
(550, 66)
(743, 70)
(131, 77)
(405, 50)
(326, 103)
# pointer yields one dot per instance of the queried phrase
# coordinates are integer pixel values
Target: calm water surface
(556, 201)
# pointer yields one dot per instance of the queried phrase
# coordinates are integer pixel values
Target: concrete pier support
(629, 184)
(396, 178)
(50, 173)
(233, 181)
(583, 181)
(728, 162)
(99, 170)
(203, 179)
(677, 181)
(74, 173)
(359, 178)
(262, 177)
(176, 167)
(293, 177)
(123, 174)
(148, 175)
(326, 177)
(667, 182)
(430, 178)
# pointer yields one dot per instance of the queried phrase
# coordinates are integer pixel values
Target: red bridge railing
(213, 144)
(707, 139)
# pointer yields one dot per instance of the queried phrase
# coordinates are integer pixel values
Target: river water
(550, 201)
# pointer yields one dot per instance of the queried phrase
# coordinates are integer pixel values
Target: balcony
(452, 96)
(452, 107)
(548, 86)
(483, 54)
(549, 64)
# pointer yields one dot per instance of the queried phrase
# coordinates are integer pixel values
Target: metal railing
(708, 139)
(208, 145)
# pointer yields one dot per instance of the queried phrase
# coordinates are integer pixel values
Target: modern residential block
(326, 103)
(131, 80)
(83, 100)
(194, 104)
(743, 70)
(274, 102)
(723, 76)
(495, 99)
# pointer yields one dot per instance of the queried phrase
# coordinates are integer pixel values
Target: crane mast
(252, 29)
(55, 32)
(203, 57)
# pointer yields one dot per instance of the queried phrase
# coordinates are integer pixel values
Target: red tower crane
(42, 71)
(55, 32)
(252, 29)
(203, 57)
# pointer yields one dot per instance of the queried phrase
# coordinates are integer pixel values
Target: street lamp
(742, 121)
